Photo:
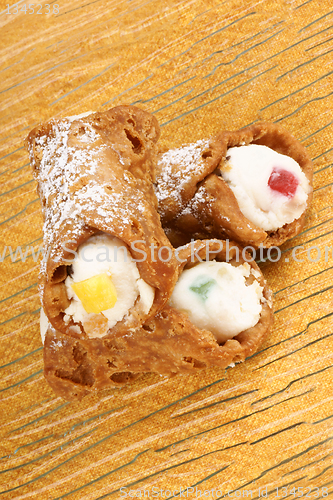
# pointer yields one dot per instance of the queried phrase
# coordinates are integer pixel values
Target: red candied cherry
(283, 181)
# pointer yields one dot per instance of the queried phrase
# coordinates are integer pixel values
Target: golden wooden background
(199, 66)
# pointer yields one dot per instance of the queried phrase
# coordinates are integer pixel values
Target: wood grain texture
(199, 66)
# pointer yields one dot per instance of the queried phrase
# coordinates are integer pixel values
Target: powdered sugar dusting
(121, 159)
(59, 168)
(195, 205)
(63, 202)
(175, 168)
(56, 345)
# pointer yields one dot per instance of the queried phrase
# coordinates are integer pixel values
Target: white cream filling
(247, 173)
(106, 254)
(216, 297)
(78, 117)
(44, 324)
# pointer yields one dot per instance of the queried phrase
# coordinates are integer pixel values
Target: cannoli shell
(213, 209)
(167, 344)
(95, 175)
(179, 171)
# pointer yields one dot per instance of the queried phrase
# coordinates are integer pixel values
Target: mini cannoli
(253, 186)
(219, 313)
(108, 265)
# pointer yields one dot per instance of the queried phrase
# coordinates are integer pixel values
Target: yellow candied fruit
(97, 294)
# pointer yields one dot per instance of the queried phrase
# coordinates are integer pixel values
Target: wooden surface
(200, 66)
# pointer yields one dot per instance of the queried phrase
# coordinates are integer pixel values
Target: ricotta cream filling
(106, 254)
(217, 298)
(248, 170)
(44, 324)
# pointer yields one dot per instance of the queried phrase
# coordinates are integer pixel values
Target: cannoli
(107, 265)
(253, 186)
(219, 313)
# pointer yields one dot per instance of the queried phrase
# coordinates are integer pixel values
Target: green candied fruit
(202, 286)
